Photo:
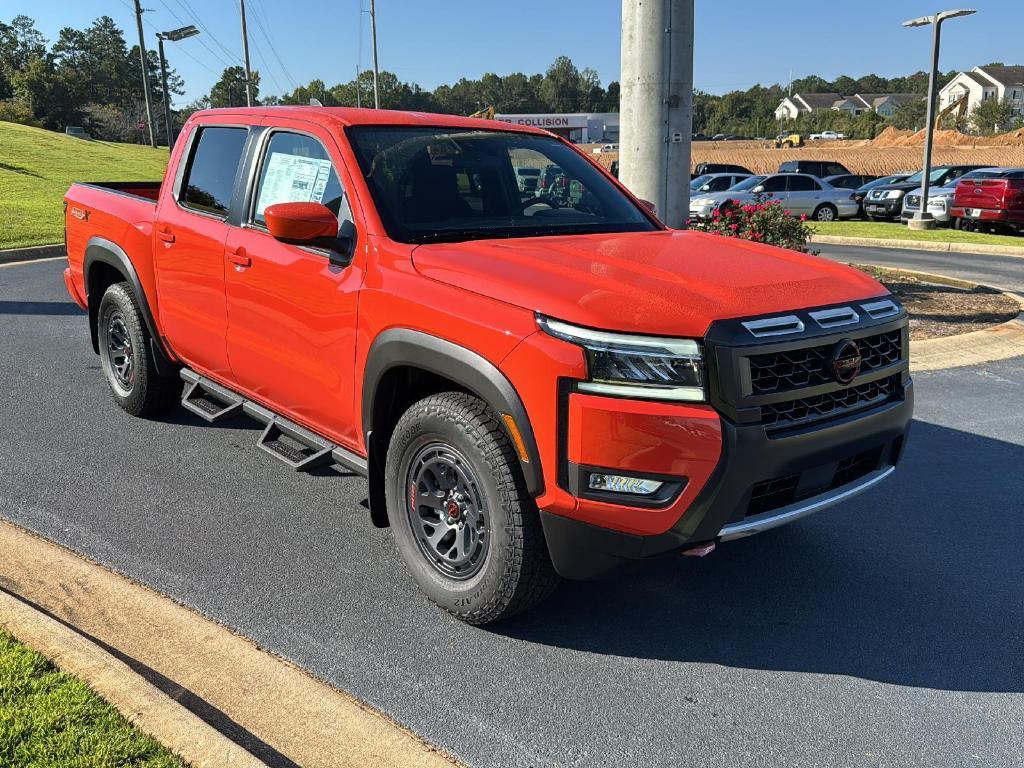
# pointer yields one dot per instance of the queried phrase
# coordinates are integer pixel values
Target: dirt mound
(894, 137)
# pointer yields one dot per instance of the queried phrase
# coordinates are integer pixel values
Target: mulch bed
(942, 310)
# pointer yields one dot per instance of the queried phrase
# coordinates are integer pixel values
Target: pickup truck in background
(535, 387)
(995, 204)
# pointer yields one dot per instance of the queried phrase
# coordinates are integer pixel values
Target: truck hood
(668, 282)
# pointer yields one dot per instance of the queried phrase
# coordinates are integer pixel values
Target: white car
(799, 193)
(828, 136)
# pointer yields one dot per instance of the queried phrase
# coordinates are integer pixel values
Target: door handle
(237, 256)
(165, 234)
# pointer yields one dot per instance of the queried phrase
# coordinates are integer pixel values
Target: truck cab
(536, 384)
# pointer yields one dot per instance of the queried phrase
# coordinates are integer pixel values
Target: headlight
(894, 194)
(702, 201)
(636, 366)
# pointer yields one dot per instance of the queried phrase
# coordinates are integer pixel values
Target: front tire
(126, 356)
(463, 521)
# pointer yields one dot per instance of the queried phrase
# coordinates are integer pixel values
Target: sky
(430, 42)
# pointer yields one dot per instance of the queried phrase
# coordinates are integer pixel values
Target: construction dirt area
(891, 151)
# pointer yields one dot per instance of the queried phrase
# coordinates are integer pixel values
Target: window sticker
(293, 179)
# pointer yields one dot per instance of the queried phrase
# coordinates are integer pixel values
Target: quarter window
(210, 177)
(297, 169)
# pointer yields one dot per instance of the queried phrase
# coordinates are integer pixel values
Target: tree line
(90, 77)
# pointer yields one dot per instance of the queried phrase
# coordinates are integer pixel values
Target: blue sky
(738, 43)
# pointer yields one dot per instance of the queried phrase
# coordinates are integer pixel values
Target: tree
(910, 116)
(229, 91)
(991, 116)
(562, 89)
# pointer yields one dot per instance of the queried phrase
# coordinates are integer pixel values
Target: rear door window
(209, 180)
(802, 184)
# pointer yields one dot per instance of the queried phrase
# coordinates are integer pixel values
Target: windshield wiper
(458, 235)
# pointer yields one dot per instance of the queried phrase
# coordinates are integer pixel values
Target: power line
(273, 49)
(266, 67)
(189, 10)
(199, 39)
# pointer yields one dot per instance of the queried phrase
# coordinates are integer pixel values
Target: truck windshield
(450, 184)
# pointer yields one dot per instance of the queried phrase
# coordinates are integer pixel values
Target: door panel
(189, 250)
(292, 313)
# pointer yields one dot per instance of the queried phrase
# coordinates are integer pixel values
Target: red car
(990, 203)
(534, 386)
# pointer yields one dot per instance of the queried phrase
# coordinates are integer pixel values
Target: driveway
(887, 631)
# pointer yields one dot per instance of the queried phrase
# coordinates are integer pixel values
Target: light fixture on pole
(174, 36)
(921, 218)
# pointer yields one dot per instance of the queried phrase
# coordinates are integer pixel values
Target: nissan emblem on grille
(845, 361)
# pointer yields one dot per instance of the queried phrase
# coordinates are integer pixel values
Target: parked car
(861, 192)
(820, 168)
(716, 182)
(827, 136)
(528, 179)
(940, 199)
(886, 200)
(704, 168)
(849, 180)
(800, 193)
(995, 204)
(606, 148)
(371, 288)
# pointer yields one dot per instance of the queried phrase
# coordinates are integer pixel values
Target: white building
(985, 83)
(884, 104)
(579, 128)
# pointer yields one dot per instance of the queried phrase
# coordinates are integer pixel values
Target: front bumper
(883, 209)
(749, 458)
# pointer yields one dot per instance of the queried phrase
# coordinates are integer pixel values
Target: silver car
(716, 182)
(940, 199)
(800, 194)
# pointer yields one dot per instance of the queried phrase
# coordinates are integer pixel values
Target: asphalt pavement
(885, 632)
(1006, 272)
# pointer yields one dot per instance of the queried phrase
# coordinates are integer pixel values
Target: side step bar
(282, 438)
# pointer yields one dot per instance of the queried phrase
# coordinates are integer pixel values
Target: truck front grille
(808, 367)
(804, 410)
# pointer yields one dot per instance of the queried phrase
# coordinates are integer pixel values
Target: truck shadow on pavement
(918, 583)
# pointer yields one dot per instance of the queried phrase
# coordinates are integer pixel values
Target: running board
(282, 438)
(207, 400)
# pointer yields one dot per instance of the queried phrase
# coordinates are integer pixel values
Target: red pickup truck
(990, 203)
(536, 383)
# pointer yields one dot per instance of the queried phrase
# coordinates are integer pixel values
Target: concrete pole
(657, 104)
(922, 219)
(245, 54)
(145, 75)
(167, 96)
(376, 72)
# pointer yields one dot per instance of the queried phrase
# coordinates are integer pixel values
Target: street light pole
(173, 35)
(921, 218)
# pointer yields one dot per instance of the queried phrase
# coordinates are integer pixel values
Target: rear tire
(126, 356)
(826, 212)
(473, 540)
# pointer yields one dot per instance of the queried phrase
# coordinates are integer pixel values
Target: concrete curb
(272, 709)
(142, 703)
(919, 245)
(1000, 342)
(13, 255)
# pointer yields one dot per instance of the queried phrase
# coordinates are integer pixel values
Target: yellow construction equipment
(787, 140)
(960, 105)
(487, 113)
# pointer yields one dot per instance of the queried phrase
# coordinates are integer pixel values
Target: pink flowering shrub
(763, 222)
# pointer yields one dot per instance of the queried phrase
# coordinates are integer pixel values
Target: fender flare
(99, 250)
(404, 347)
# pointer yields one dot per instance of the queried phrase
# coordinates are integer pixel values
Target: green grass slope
(38, 166)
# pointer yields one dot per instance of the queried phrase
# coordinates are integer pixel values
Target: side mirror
(312, 224)
(758, 188)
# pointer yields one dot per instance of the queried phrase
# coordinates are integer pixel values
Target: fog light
(623, 484)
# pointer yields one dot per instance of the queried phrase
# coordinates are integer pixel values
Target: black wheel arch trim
(99, 250)
(405, 347)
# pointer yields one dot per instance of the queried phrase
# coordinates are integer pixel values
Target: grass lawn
(891, 231)
(49, 719)
(37, 167)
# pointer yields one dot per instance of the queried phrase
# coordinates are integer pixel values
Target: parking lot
(885, 631)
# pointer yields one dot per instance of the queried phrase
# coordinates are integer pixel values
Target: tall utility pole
(245, 53)
(373, 32)
(657, 104)
(145, 75)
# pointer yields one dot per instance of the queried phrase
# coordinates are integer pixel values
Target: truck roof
(347, 116)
